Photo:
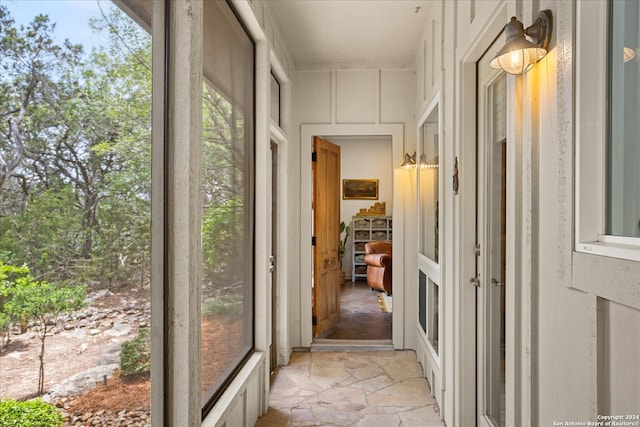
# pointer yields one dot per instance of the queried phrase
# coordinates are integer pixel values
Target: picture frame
(360, 189)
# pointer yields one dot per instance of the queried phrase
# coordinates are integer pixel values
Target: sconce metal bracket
(540, 31)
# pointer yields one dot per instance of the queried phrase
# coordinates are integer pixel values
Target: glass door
(491, 238)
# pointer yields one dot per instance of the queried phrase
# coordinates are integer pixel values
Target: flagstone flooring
(358, 389)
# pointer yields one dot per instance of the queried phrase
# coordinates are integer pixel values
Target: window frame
(222, 384)
(592, 45)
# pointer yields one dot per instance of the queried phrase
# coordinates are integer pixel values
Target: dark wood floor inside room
(361, 317)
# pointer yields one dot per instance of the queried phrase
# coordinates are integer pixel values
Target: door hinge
(314, 157)
(476, 249)
(313, 240)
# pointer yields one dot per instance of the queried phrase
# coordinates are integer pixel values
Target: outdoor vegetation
(32, 413)
(74, 169)
(75, 188)
(75, 152)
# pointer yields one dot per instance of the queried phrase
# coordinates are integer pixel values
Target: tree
(29, 62)
(10, 277)
(84, 145)
(42, 302)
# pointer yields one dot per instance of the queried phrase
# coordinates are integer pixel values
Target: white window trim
(591, 134)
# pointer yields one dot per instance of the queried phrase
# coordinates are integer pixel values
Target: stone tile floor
(360, 315)
(363, 389)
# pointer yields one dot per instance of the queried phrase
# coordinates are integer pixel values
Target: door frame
(518, 316)
(401, 317)
(484, 201)
(278, 137)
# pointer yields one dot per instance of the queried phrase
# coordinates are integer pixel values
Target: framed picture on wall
(360, 189)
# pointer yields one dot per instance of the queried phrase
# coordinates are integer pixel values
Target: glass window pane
(75, 203)
(428, 167)
(275, 99)
(227, 198)
(434, 317)
(623, 148)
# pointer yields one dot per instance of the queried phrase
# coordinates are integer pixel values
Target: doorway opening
(364, 315)
(329, 131)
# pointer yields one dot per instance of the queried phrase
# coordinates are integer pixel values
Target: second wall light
(520, 54)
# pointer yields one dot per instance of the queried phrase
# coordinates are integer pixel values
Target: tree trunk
(41, 357)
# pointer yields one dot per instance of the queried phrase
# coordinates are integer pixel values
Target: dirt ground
(66, 353)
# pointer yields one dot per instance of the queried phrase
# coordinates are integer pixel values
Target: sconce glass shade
(629, 54)
(409, 161)
(518, 54)
(424, 164)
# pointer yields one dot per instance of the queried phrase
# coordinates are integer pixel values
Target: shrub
(31, 413)
(135, 356)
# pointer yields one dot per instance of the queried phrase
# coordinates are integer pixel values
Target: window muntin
(623, 142)
(227, 191)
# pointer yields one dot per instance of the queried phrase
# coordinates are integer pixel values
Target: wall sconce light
(519, 54)
(409, 161)
(629, 54)
(426, 165)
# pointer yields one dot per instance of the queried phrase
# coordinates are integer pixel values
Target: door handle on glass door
(494, 282)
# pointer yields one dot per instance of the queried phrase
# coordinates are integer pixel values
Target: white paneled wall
(356, 96)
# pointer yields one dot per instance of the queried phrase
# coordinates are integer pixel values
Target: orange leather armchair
(378, 259)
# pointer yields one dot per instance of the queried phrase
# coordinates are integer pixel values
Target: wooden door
(326, 226)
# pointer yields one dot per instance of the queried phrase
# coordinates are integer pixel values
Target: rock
(111, 357)
(16, 354)
(118, 330)
(76, 333)
(94, 331)
(98, 294)
(81, 382)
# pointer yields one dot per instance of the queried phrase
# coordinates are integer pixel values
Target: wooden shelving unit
(365, 229)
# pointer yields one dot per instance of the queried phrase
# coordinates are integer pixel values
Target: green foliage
(222, 230)
(31, 413)
(231, 306)
(342, 250)
(135, 355)
(25, 298)
(49, 243)
(11, 278)
(79, 150)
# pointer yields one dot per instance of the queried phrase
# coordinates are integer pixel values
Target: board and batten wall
(575, 318)
(337, 97)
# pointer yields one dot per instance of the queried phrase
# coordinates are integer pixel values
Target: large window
(623, 142)
(227, 199)
(606, 133)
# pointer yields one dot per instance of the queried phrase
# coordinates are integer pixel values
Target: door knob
(475, 282)
(494, 282)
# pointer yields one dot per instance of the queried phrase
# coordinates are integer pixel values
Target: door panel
(326, 221)
(491, 237)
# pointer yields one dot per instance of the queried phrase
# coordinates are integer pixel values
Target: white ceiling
(350, 31)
